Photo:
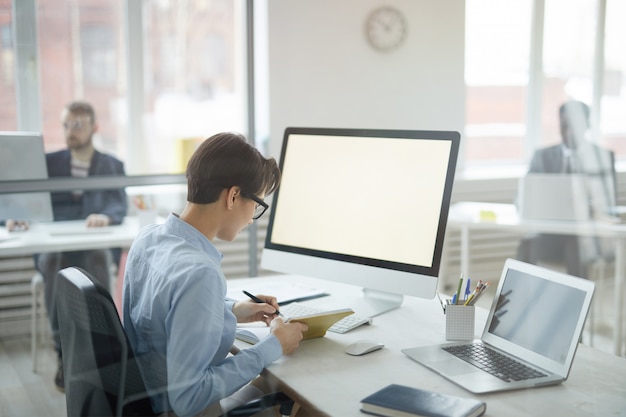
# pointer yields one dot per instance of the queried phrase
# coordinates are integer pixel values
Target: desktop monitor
(22, 157)
(363, 207)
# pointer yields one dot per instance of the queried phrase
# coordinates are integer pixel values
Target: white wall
(323, 73)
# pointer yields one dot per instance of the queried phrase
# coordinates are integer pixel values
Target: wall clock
(385, 28)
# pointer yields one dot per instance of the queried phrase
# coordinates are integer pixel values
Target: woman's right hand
(288, 334)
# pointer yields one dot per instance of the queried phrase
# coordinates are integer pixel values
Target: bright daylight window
(192, 75)
(8, 117)
(497, 58)
(81, 56)
(568, 60)
(497, 48)
(613, 116)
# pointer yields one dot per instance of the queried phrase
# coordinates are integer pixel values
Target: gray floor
(23, 392)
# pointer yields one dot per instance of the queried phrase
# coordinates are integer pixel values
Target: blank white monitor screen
(22, 157)
(365, 207)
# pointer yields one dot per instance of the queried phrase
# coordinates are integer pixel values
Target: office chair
(102, 377)
(39, 321)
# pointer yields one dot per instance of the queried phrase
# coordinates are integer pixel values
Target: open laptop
(22, 157)
(536, 319)
(553, 197)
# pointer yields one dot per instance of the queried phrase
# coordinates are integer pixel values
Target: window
(499, 85)
(568, 58)
(613, 122)
(99, 55)
(8, 116)
(496, 74)
(81, 56)
(193, 77)
(192, 82)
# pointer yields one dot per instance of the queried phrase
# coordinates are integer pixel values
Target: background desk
(67, 236)
(467, 216)
(322, 376)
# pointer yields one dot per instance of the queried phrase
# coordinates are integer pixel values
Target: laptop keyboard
(493, 362)
(342, 326)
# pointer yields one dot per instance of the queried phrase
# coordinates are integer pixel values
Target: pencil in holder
(460, 322)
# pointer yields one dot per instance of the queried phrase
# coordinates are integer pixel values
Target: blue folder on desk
(536, 320)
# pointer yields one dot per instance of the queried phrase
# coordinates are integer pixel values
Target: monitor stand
(374, 302)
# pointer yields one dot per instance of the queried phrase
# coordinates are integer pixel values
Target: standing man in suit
(575, 155)
(98, 208)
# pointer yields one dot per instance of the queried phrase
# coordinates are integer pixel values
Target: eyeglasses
(76, 125)
(261, 206)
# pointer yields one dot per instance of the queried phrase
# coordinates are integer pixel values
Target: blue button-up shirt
(179, 322)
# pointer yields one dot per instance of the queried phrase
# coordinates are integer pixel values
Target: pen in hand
(258, 300)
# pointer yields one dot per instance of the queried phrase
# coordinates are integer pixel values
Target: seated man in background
(98, 208)
(575, 155)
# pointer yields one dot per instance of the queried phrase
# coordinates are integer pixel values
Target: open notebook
(318, 322)
(536, 320)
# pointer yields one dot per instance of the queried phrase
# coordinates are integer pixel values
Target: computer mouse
(361, 347)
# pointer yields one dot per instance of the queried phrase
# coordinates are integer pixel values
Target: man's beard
(75, 144)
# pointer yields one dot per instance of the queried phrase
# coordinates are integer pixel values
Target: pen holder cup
(460, 322)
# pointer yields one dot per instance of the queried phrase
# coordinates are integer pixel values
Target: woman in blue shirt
(175, 311)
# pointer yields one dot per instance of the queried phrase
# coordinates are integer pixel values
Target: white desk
(68, 236)
(467, 216)
(320, 375)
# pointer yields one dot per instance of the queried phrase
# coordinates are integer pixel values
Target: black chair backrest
(101, 375)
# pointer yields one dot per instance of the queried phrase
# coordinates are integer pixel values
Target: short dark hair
(225, 160)
(82, 107)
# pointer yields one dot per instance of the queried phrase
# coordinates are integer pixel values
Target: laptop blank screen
(537, 314)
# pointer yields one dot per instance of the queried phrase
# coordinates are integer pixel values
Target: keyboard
(344, 325)
(493, 362)
(349, 323)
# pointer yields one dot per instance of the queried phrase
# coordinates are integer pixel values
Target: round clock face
(385, 28)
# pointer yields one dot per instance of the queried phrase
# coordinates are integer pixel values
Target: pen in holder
(459, 322)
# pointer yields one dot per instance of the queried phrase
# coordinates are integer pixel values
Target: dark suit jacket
(66, 206)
